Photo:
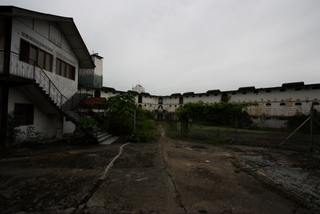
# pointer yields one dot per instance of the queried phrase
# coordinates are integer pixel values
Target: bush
(138, 137)
(88, 129)
(12, 130)
(34, 136)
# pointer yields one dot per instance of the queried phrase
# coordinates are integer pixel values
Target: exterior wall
(45, 123)
(277, 101)
(269, 122)
(47, 37)
(2, 40)
(97, 82)
(92, 78)
(68, 127)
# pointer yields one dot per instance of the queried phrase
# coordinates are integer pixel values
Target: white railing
(34, 72)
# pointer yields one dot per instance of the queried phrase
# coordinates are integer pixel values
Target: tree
(120, 113)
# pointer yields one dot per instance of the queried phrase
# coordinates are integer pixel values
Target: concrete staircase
(69, 108)
(105, 138)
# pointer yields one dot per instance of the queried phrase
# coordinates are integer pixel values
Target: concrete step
(103, 136)
(110, 140)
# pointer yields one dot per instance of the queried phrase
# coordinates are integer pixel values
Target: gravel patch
(299, 181)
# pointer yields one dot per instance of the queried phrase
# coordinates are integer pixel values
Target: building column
(59, 130)
(3, 115)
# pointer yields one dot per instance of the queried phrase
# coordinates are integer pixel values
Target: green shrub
(138, 137)
(88, 128)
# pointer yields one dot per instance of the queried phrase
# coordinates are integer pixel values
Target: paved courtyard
(163, 176)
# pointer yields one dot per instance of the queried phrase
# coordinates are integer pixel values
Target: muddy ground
(162, 176)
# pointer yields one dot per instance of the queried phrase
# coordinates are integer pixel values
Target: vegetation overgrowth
(118, 118)
(229, 123)
(222, 113)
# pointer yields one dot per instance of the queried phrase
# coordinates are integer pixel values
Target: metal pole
(295, 131)
(236, 128)
(311, 128)
(134, 119)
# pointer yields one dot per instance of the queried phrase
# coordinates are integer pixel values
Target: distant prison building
(273, 102)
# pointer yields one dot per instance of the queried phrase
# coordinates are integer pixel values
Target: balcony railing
(34, 72)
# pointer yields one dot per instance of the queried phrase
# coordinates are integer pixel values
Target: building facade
(41, 56)
(273, 102)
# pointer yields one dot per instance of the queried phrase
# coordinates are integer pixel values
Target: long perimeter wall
(274, 101)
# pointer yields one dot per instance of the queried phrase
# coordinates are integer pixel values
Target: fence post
(237, 128)
(134, 119)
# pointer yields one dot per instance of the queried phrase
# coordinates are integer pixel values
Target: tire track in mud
(177, 198)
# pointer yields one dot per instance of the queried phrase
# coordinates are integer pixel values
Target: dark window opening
(181, 100)
(24, 114)
(268, 91)
(97, 93)
(244, 92)
(282, 90)
(298, 104)
(297, 89)
(140, 99)
(282, 104)
(24, 51)
(160, 101)
(268, 104)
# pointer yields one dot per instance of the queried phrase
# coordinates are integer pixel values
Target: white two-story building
(41, 59)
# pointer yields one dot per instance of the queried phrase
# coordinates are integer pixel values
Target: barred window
(49, 62)
(65, 70)
(35, 56)
(24, 113)
(24, 51)
(42, 59)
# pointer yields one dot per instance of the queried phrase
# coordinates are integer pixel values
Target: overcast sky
(177, 46)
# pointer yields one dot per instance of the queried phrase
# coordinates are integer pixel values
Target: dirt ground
(162, 176)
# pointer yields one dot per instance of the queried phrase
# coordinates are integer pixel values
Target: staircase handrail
(41, 79)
